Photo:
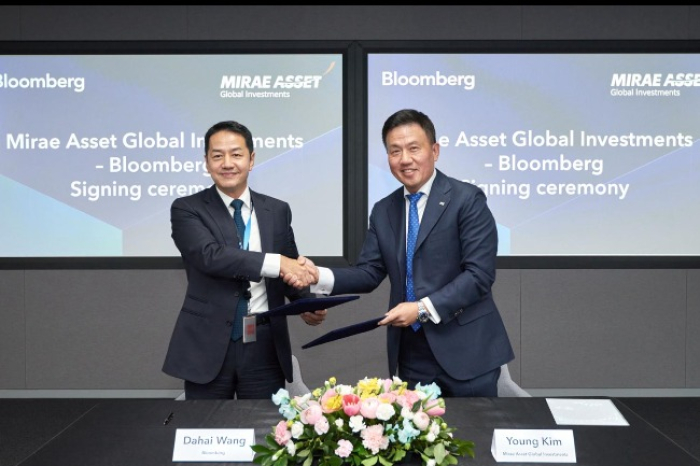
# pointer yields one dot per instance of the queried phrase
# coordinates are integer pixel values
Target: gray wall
(104, 332)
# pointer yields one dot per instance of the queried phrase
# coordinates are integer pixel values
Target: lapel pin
(442, 203)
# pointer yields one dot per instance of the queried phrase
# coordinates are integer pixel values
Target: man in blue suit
(231, 275)
(461, 341)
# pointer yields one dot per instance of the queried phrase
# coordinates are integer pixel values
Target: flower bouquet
(376, 421)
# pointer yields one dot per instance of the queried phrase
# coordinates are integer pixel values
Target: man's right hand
(298, 273)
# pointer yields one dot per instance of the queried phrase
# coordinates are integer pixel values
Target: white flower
(431, 462)
(430, 437)
(357, 423)
(385, 411)
(339, 423)
(303, 401)
(297, 429)
(406, 413)
(434, 428)
(321, 427)
(291, 448)
(344, 389)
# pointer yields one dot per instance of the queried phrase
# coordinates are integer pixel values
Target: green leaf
(399, 454)
(334, 461)
(439, 452)
(371, 461)
(281, 461)
(384, 461)
(272, 443)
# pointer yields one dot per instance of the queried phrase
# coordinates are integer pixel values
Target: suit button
(229, 323)
(236, 294)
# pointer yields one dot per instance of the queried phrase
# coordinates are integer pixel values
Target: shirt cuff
(326, 280)
(271, 266)
(434, 316)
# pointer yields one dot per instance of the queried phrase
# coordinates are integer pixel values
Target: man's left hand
(314, 318)
(402, 315)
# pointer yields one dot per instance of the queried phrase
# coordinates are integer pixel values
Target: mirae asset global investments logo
(236, 86)
(651, 84)
(47, 81)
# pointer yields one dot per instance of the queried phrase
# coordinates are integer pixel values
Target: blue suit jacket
(454, 265)
(218, 273)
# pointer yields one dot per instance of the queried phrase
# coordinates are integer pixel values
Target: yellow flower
(368, 387)
(332, 381)
(332, 403)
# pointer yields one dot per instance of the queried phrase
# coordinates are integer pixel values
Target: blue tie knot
(413, 198)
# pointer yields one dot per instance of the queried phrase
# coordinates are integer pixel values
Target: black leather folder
(302, 305)
(345, 332)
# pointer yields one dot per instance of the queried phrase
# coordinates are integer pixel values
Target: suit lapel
(221, 215)
(438, 201)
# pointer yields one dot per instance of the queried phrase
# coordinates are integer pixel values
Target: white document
(585, 412)
(533, 446)
(212, 445)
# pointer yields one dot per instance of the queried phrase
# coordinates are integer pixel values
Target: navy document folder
(302, 305)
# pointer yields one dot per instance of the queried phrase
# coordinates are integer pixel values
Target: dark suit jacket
(217, 274)
(454, 265)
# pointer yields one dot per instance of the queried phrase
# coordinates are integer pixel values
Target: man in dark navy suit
(232, 271)
(459, 340)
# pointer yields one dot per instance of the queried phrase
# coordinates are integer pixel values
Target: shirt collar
(245, 197)
(425, 189)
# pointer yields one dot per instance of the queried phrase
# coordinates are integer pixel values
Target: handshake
(299, 273)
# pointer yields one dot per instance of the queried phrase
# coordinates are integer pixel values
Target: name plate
(533, 446)
(210, 445)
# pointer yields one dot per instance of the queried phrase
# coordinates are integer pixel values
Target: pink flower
(312, 414)
(408, 399)
(344, 448)
(282, 434)
(435, 407)
(373, 439)
(368, 408)
(421, 420)
(387, 397)
(351, 404)
(412, 396)
(386, 385)
(321, 427)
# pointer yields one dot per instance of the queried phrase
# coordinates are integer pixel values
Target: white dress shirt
(271, 263)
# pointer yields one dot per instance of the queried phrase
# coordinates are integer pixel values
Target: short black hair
(408, 116)
(233, 127)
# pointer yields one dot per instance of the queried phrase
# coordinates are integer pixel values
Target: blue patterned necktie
(413, 225)
(242, 308)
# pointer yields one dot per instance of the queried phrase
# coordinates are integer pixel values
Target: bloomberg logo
(42, 82)
(393, 78)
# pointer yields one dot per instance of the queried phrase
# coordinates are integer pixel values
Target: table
(131, 432)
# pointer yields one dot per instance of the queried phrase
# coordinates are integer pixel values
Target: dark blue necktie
(413, 225)
(242, 308)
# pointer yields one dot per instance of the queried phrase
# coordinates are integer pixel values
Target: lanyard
(246, 234)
